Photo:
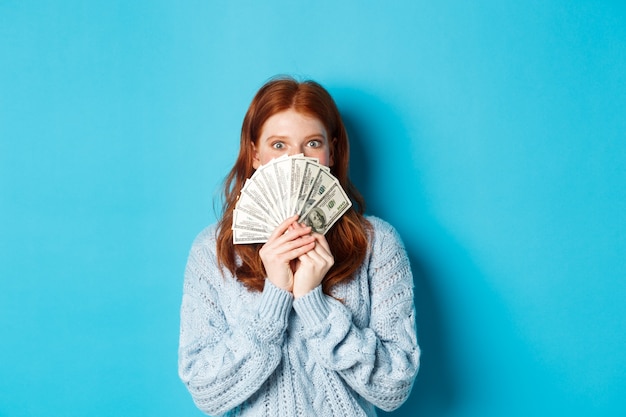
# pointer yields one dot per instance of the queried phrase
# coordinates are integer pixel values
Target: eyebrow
(313, 136)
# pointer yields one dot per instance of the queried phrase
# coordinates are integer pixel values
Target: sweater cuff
(275, 304)
(312, 308)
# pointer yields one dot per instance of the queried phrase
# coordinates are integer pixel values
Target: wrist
(280, 281)
(302, 291)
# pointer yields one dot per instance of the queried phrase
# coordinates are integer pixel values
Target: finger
(282, 247)
(291, 239)
(285, 250)
(293, 233)
(319, 238)
(294, 242)
(297, 252)
(294, 238)
(300, 225)
(295, 226)
(283, 227)
(320, 255)
(311, 257)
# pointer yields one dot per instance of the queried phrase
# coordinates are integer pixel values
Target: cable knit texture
(246, 353)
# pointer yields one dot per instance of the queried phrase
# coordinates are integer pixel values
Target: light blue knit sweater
(246, 353)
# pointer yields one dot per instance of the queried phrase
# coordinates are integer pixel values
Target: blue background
(490, 133)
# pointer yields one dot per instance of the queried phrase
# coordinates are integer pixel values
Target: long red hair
(347, 238)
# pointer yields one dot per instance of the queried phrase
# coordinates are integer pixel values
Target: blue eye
(278, 145)
(315, 144)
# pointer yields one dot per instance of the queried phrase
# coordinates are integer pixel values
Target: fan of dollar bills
(284, 187)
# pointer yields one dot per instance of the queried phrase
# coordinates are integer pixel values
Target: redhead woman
(305, 324)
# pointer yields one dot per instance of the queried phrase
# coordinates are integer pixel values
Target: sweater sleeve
(379, 361)
(223, 362)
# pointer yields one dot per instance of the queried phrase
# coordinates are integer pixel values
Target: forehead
(294, 122)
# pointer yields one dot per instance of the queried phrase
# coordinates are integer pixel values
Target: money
(282, 175)
(244, 236)
(323, 215)
(284, 187)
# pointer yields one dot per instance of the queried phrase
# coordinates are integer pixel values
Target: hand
(312, 266)
(280, 253)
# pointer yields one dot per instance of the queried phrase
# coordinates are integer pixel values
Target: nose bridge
(295, 150)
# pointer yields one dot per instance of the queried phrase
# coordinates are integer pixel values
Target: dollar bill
(246, 236)
(269, 184)
(297, 171)
(325, 213)
(321, 184)
(256, 190)
(247, 204)
(283, 171)
(246, 221)
(283, 187)
(309, 175)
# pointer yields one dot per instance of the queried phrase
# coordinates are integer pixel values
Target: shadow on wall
(377, 134)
